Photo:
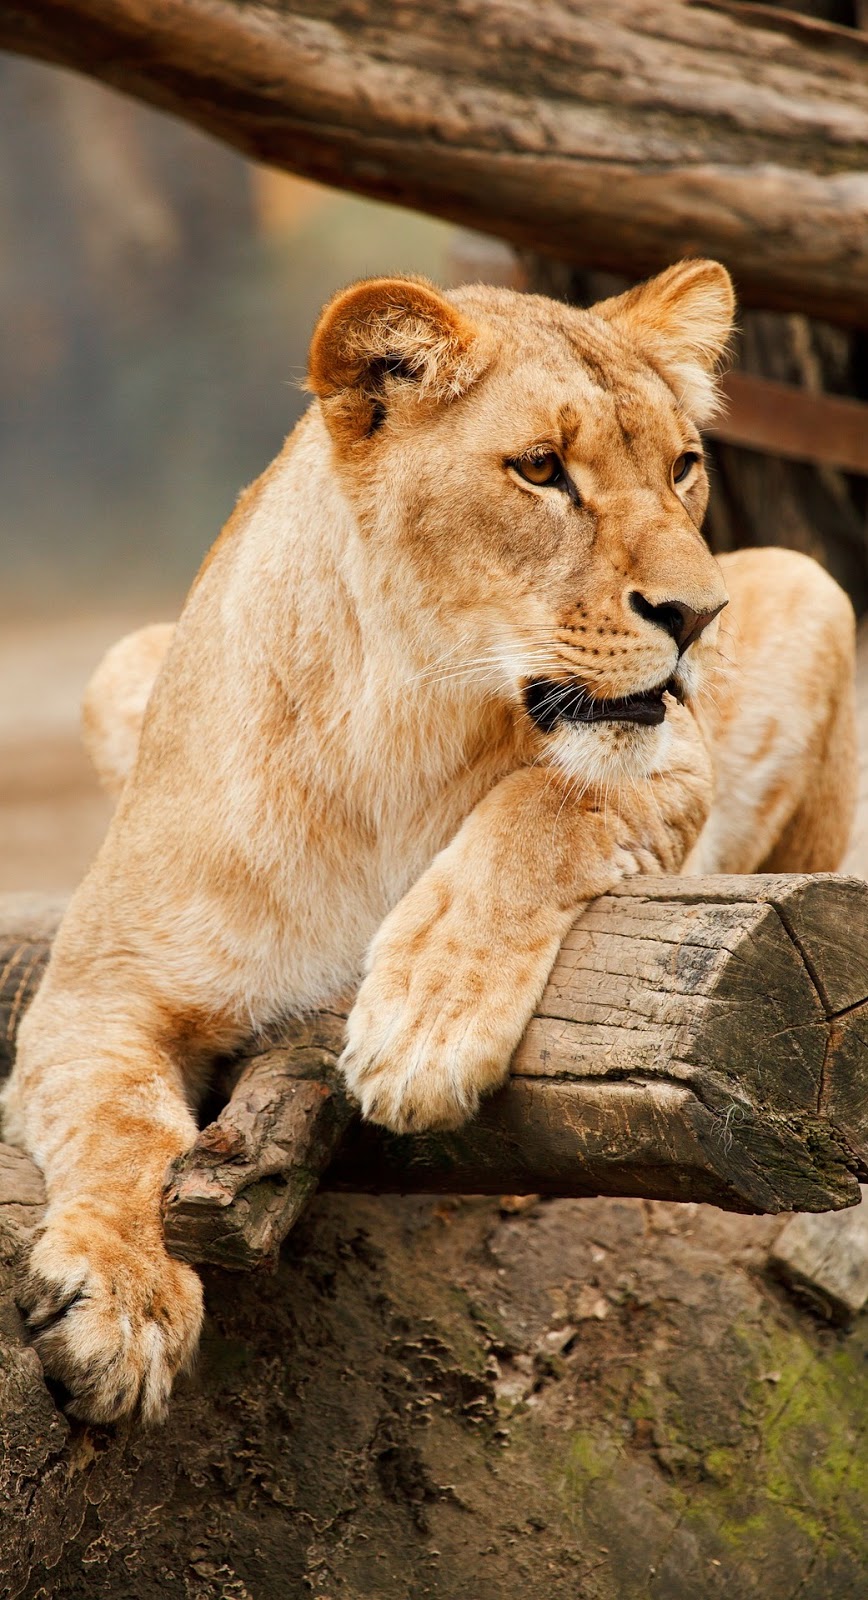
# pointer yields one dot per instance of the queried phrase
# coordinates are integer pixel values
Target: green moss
(764, 1458)
(809, 1419)
(593, 1457)
(721, 1465)
(640, 1406)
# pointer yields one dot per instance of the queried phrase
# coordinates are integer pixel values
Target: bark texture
(616, 137)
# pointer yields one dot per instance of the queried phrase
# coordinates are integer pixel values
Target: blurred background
(158, 293)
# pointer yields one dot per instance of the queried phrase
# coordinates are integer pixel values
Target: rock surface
(575, 1399)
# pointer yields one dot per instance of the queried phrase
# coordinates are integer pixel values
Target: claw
(41, 1321)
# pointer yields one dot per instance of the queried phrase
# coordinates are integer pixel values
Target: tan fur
(337, 756)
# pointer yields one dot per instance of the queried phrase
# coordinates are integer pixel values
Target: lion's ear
(682, 321)
(382, 333)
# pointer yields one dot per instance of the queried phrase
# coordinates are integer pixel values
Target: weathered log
(236, 1195)
(824, 1259)
(699, 1039)
(615, 137)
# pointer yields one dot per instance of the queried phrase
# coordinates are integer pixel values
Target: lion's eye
(683, 465)
(545, 471)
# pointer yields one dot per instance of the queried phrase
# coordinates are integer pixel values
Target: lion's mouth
(550, 703)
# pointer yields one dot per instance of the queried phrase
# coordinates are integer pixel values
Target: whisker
(440, 672)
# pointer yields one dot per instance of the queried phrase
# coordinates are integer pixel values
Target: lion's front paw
(456, 970)
(412, 1073)
(433, 1029)
(114, 1318)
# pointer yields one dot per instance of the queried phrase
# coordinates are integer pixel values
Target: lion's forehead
(531, 327)
(566, 376)
(636, 420)
(551, 397)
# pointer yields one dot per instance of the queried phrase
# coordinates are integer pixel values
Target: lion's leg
(101, 1109)
(816, 836)
(115, 700)
(109, 1058)
(779, 719)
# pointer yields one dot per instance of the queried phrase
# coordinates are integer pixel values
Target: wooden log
(823, 1259)
(28, 923)
(687, 1045)
(235, 1196)
(619, 137)
(699, 1039)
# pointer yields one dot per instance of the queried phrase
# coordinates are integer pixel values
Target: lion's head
(529, 486)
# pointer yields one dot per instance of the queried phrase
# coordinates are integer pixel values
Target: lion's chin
(606, 755)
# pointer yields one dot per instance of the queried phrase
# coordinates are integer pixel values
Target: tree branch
(619, 138)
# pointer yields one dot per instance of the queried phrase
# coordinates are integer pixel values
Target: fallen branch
(699, 1039)
(619, 138)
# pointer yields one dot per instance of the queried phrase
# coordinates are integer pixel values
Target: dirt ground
(568, 1400)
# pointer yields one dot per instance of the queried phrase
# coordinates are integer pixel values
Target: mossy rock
(581, 1400)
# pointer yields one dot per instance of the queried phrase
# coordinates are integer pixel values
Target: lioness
(458, 663)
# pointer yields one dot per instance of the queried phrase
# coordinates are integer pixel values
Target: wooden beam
(615, 137)
(781, 420)
(699, 1039)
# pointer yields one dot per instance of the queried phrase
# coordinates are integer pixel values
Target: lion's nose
(675, 617)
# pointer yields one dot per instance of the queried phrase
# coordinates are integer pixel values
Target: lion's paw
(417, 1069)
(114, 1318)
